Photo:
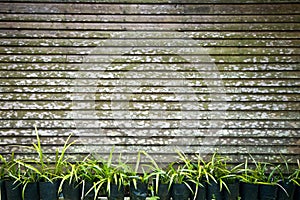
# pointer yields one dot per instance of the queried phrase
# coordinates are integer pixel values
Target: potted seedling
(161, 188)
(12, 182)
(197, 175)
(89, 173)
(181, 188)
(48, 174)
(286, 191)
(70, 182)
(3, 166)
(262, 179)
(138, 181)
(267, 180)
(28, 177)
(217, 167)
(295, 177)
(248, 185)
(113, 177)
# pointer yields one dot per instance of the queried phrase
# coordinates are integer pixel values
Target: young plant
(134, 175)
(113, 173)
(218, 169)
(295, 176)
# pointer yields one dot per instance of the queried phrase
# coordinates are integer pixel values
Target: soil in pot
(139, 192)
(213, 191)
(31, 191)
(116, 192)
(13, 190)
(268, 192)
(48, 190)
(71, 191)
(248, 191)
(2, 190)
(88, 192)
(288, 194)
(233, 193)
(180, 192)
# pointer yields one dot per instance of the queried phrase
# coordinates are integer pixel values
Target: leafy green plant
(295, 176)
(45, 170)
(218, 170)
(262, 173)
(135, 175)
(113, 173)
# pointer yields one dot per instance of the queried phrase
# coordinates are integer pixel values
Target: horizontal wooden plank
(119, 58)
(146, 34)
(149, 18)
(9, 7)
(138, 75)
(89, 132)
(154, 50)
(146, 97)
(162, 89)
(180, 67)
(159, 1)
(96, 114)
(143, 42)
(156, 141)
(152, 26)
(65, 105)
(166, 83)
(104, 149)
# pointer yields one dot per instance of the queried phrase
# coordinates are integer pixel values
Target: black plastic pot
(13, 190)
(71, 191)
(31, 191)
(48, 190)
(88, 191)
(116, 192)
(139, 192)
(2, 190)
(233, 193)
(297, 193)
(268, 192)
(201, 193)
(213, 191)
(180, 192)
(248, 191)
(289, 188)
(163, 192)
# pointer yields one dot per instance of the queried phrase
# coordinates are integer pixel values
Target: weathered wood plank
(104, 149)
(199, 106)
(128, 96)
(11, 33)
(162, 89)
(85, 132)
(167, 83)
(96, 114)
(63, 8)
(180, 67)
(153, 74)
(153, 141)
(160, 1)
(142, 42)
(154, 50)
(152, 26)
(149, 18)
(131, 59)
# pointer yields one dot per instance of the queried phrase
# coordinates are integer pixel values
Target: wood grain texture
(151, 75)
